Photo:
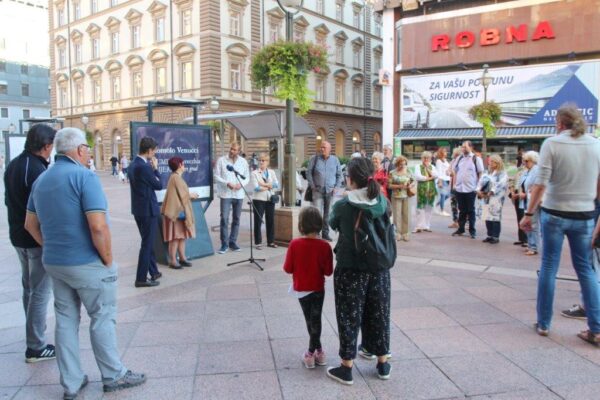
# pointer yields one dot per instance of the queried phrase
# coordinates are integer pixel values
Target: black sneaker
(576, 312)
(458, 233)
(234, 247)
(364, 353)
(47, 353)
(342, 374)
(130, 379)
(73, 396)
(383, 370)
(472, 236)
(487, 239)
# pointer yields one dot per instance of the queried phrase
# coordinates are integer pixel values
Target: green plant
(487, 114)
(285, 66)
(343, 160)
(89, 137)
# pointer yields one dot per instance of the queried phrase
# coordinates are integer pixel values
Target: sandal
(273, 245)
(588, 336)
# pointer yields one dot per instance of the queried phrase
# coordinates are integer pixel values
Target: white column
(388, 64)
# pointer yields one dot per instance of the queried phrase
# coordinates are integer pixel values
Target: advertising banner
(192, 143)
(528, 95)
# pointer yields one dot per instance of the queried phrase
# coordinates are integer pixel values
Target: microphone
(230, 168)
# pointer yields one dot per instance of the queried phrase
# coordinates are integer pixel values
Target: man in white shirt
(467, 170)
(231, 193)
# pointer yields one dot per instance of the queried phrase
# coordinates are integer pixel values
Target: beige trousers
(400, 213)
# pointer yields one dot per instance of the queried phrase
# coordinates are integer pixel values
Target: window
(78, 93)
(357, 95)
(115, 87)
(97, 90)
(377, 98)
(235, 76)
(377, 24)
(339, 11)
(60, 16)
(25, 69)
(377, 62)
(320, 89)
(274, 32)
(320, 8)
(235, 23)
(299, 35)
(186, 75)
(357, 57)
(160, 79)
(356, 19)
(26, 113)
(95, 48)
(322, 40)
(159, 29)
(77, 51)
(340, 92)
(24, 89)
(93, 6)
(62, 57)
(399, 45)
(339, 53)
(3, 88)
(76, 11)
(4, 112)
(114, 3)
(114, 42)
(62, 97)
(135, 36)
(186, 22)
(136, 84)
(2, 66)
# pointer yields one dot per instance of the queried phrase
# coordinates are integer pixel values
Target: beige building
(107, 56)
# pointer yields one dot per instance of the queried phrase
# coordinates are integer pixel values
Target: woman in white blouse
(443, 179)
(425, 175)
(264, 181)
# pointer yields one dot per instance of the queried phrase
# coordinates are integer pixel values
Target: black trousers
(454, 206)
(466, 208)
(362, 298)
(148, 228)
(267, 209)
(493, 229)
(312, 307)
(520, 214)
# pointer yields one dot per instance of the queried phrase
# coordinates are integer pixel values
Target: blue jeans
(533, 236)
(444, 193)
(229, 238)
(579, 235)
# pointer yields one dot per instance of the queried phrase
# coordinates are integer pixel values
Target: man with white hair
(66, 214)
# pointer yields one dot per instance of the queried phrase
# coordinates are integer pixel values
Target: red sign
(490, 37)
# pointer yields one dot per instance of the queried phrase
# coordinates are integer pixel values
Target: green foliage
(285, 65)
(343, 160)
(487, 114)
(89, 137)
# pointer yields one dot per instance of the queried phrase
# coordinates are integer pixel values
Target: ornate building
(107, 56)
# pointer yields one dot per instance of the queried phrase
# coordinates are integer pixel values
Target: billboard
(190, 142)
(528, 95)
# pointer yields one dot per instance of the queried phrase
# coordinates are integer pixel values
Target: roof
(504, 132)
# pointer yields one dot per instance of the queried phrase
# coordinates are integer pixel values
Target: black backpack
(375, 241)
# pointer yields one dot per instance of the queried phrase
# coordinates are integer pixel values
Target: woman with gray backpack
(365, 251)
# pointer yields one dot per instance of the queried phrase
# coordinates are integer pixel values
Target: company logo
(493, 36)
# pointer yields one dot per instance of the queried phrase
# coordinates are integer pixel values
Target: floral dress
(426, 190)
(398, 178)
(490, 209)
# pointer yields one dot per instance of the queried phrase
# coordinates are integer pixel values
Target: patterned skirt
(174, 230)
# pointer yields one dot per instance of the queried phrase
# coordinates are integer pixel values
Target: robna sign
(490, 37)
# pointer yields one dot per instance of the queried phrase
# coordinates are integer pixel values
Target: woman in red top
(380, 175)
(309, 259)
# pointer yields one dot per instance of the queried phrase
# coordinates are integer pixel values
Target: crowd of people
(63, 241)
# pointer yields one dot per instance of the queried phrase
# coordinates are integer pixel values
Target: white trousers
(424, 218)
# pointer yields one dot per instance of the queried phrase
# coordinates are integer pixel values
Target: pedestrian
(381, 173)
(231, 194)
(467, 169)
(114, 162)
(67, 212)
(425, 175)
(514, 193)
(528, 178)
(324, 175)
(91, 165)
(492, 189)
(124, 166)
(178, 215)
(144, 180)
(362, 296)
(443, 179)
(400, 182)
(388, 164)
(310, 259)
(265, 184)
(569, 169)
(19, 177)
(453, 202)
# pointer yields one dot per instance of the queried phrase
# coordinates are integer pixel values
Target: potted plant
(285, 66)
(487, 114)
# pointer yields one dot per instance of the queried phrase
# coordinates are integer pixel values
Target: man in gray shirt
(324, 174)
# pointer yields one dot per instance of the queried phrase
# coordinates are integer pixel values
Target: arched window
(356, 143)
(377, 141)
(339, 143)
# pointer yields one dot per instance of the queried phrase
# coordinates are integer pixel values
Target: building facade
(539, 54)
(24, 62)
(108, 56)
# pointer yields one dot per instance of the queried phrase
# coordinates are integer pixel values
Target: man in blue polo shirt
(67, 214)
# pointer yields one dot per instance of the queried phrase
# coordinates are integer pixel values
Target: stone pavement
(462, 314)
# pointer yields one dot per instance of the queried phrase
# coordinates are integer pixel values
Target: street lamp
(85, 120)
(289, 170)
(214, 107)
(486, 81)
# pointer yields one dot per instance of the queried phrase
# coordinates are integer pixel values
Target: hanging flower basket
(487, 114)
(285, 66)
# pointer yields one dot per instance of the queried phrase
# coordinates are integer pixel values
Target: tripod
(250, 260)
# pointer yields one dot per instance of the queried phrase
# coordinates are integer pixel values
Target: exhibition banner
(192, 143)
(528, 95)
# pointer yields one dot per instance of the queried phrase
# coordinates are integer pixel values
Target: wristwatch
(528, 214)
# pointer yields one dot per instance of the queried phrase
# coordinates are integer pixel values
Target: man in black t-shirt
(114, 161)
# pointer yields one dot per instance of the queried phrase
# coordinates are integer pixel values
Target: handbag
(308, 195)
(181, 216)
(275, 198)
(411, 191)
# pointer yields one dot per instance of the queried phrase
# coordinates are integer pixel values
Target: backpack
(375, 241)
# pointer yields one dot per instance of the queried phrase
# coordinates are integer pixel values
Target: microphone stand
(250, 260)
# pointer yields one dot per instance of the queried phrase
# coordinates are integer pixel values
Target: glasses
(263, 160)
(86, 146)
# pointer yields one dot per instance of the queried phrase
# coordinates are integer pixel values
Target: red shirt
(309, 260)
(381, 177)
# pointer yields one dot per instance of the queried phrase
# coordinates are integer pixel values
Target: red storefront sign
(493, 36)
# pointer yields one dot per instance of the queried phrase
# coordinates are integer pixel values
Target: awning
(505, 132)
(259, 124)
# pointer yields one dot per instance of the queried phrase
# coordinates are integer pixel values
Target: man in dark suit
(144, 179)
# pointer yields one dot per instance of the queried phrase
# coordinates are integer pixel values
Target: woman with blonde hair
(530, 159)
(492, 189)
(399, 182)
(443, 181)
(178, 215)
(265, 184)
(425, 176)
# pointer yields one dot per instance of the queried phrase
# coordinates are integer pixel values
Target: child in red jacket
(310, 259)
